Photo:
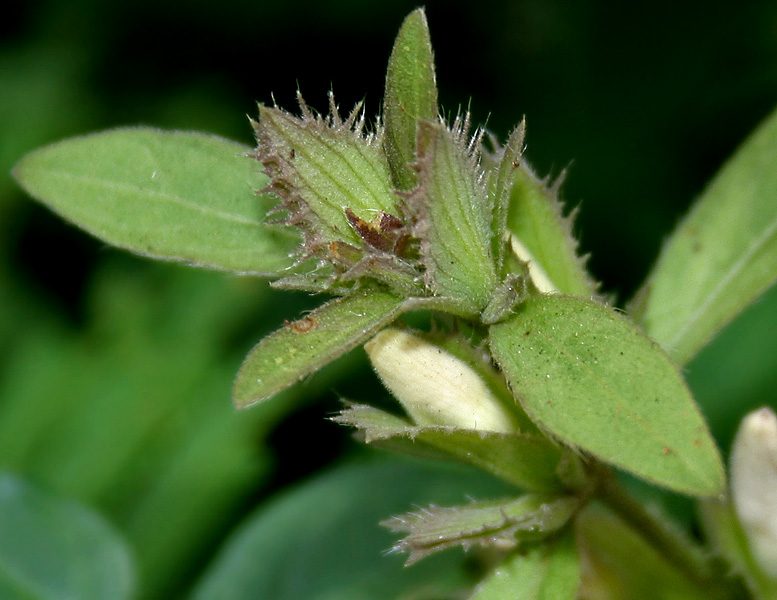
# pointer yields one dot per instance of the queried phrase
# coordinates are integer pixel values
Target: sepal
(536, 218)
(529, 461)
(507, 160)
(495, 524)
(451, 213)
(334, 184)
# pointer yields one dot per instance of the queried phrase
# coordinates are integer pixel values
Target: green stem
(673, 546)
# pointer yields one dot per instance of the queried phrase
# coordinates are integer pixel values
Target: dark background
(639, 102)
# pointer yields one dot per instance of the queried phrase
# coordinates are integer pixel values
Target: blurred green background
(115, 373)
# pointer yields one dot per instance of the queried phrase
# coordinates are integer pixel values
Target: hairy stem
(674, 546)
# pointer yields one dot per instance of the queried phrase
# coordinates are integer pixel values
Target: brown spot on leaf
(389, 222)
(384, 232)
(304, 325)
(666, 450)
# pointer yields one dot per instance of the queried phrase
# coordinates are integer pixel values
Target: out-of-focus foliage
(132, 415)
(323, 539)
(721, 257)
(52, 548)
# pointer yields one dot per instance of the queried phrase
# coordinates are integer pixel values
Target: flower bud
(435, 387)
(754, 485)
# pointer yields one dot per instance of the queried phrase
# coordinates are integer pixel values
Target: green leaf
(496, 524)
(545, 237)
(525, 460)
(322, 541)
(180, 196)
(52, 548)
(721, 257)
(320, 167)
(740, 363)
(549, 570)
(411, 96)
(453, 216)
(620, 565)
(302, 347)
(590, 378)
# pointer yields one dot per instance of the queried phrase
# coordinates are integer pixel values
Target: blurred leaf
(411, 96)
(722, 256)
(304, 346)
(39, 382)
(737, 371)
(497, 524)
(525, 460)
(175, 195)
(52, 548)
(592, 379)
(724, 533)
(453, 215)
(204, 473)
(322, 541)
(617, 564)
(550, 570)
(133, 414)
(537, 220)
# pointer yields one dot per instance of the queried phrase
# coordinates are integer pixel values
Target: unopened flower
(435, 387)
(754, 485)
